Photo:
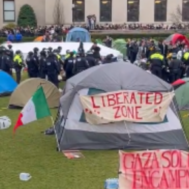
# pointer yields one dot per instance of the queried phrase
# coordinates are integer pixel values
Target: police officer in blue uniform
(157, 63)
(80, 64)
(42, 63)
(6, 62)
(51, 69)
(32, 65)
(69, 65)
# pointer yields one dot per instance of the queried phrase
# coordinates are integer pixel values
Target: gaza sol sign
(159, 169)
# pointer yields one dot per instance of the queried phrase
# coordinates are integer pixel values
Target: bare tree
(176, 17)
(58, 12)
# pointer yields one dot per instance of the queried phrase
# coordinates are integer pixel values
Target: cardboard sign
(161, 169)
(133, 106)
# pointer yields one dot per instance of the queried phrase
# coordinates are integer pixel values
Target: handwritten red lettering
(103, 102)
(148, 98)
(149, 170)
(166, 157)
(175, 159)
(117, 112)
(130, 112)
(158, 98)
(137, 108)
(141, 94)
(111, 100)
(93, 103)
(128, 161)
(133, 98)
(118, 98)
(154, 162)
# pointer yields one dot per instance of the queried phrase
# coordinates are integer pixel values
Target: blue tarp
(78, 34)
(7, 83)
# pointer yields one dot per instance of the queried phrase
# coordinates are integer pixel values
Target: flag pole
(53, 123)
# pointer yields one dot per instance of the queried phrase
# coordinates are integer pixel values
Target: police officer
(59, 50)
(49, 50)
(185, 60)
(32, 65)
(6, 63)
(51, 69)
(36, 60)
(96, 51)
(80, 64)
(157, 63)
(42, 63)
(175, 68)
(18, 64)
(69, 65)
(91, 60)
(10, 51)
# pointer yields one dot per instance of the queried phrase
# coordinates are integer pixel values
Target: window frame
(4, 11)
(138, 16)
(183, 7)
(74, 9)
(100, 4)
(163, 20)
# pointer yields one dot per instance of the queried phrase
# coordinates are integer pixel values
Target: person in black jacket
(175, 68)
(6, 62)
(42, 62)
(96, 51)
(51, 69)
(69, 65)
(32, 65)
(80, 64)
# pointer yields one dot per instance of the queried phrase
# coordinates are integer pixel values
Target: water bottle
(24, 176)
(111, 183)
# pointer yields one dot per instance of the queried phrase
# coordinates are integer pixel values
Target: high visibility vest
(58, 57)
(156, 56)
(17, 59)
(186, 55)
(67, 56)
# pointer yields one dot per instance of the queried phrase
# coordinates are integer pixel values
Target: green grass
(31, 151)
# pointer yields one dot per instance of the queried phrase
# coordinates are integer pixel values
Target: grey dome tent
(74, 133)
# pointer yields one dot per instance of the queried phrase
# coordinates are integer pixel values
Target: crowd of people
(90, 25)
(50, 64)
(167, 62)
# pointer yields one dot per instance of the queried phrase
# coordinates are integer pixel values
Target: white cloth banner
(133, 106)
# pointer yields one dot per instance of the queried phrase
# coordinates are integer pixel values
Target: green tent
(182, 93)
(120, 45)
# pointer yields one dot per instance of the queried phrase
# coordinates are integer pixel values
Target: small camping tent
(174, 38)
(73, 132)
(7, 84)
(181, 87)
(78, 34)
(26, 89)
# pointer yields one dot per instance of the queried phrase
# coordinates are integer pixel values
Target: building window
(133, 7)
(185, 10)
(105, 10)
(8, 11)
(160, 10)
(78, 10)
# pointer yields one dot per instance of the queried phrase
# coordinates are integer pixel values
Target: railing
(99, 32)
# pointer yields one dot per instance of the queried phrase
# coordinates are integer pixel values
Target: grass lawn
(31, 151)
